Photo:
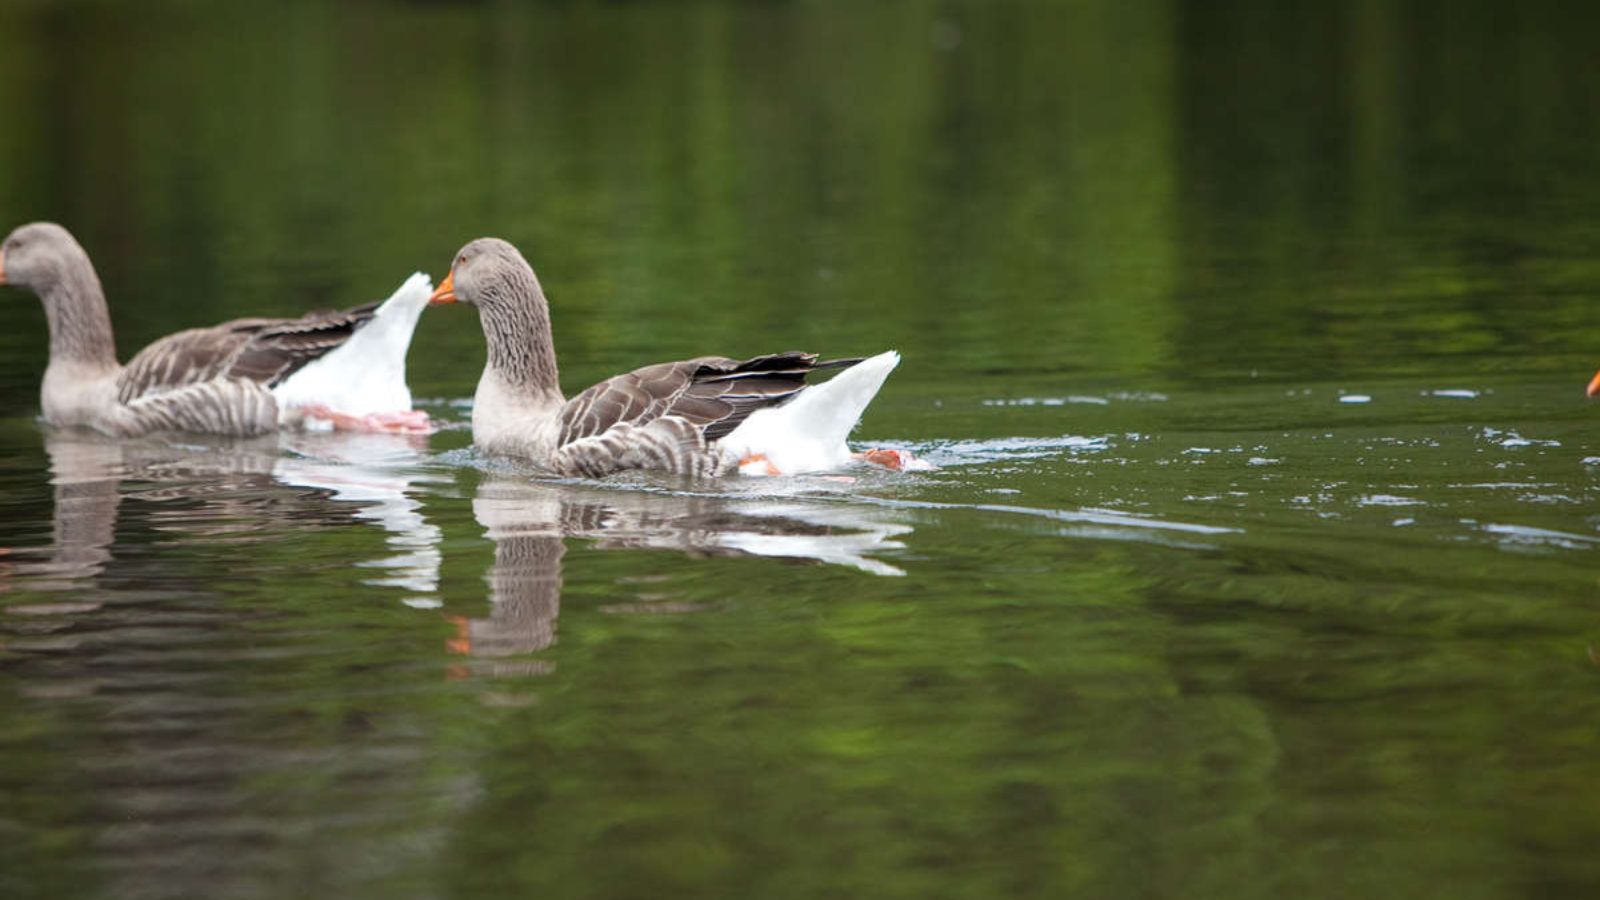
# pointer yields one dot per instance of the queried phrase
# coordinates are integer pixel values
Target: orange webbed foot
(758, 464)
(894, 460)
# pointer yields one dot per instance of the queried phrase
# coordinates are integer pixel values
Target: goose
(700, 417)
(321, 371)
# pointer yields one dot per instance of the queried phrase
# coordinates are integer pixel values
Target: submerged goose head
(44, 258)
(492, 275)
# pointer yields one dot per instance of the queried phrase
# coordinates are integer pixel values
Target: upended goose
(699, 417)
(324, 370)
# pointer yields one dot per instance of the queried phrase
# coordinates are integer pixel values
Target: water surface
(1250, 342)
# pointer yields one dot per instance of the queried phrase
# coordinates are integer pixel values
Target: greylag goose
(324, 370)
(700, 417)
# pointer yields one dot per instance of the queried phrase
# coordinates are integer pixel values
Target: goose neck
(522, 355)
(80, 325)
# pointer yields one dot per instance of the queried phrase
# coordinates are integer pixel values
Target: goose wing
(263, 351)
(713, 394)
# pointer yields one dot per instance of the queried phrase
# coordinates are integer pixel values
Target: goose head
(493, 276)
(44, 258)
(39, 256)
(489, 273)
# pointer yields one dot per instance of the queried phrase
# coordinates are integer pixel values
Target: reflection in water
(177, 558)
(237, 484)
(85, 476)
(525, 580)
(363, 468)
(528, 521)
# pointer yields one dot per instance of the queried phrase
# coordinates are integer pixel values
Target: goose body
(701, 417)
(248, 376)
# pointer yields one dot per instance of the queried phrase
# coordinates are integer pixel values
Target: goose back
(712, 393)
(263, 351)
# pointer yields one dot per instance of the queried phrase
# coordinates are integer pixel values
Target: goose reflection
(85, 478)
(528, 521)
(378, 472)
(219, 488)
(176, 701)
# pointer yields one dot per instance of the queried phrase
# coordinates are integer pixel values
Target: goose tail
(808, 433)
(397, 316)
(367, 373)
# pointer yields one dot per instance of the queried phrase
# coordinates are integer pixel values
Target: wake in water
(1177, 485)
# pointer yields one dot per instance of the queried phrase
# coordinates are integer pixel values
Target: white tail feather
(367, 374)
(808, 433)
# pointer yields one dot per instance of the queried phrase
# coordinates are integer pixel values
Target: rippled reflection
(85, 476)
(166, 632)
(529, 520)
(370, 469)
(220, 489)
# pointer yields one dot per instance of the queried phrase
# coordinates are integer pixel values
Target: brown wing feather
(712, 393)
(638, 398)
(265, 351)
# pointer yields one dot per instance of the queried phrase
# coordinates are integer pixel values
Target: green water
(1250, 338)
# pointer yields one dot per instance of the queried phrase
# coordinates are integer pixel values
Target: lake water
(1263, 559)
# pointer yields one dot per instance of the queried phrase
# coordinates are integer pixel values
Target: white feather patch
(367, 374)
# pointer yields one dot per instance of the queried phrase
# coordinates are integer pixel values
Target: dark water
(1264, 558)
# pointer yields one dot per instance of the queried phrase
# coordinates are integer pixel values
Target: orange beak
(2, 267)
(446, 292)
(1594, 383)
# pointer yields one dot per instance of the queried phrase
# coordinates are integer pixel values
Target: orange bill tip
(1594, 385)
(446, 292)
(2, 267)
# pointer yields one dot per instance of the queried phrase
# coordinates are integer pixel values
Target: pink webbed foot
(411, 421)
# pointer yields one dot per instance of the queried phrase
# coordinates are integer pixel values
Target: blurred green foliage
(1158, 190)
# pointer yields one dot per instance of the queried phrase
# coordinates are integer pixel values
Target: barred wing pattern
(667, 416)
(260, 351)
(219, 379)
(236, 406)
